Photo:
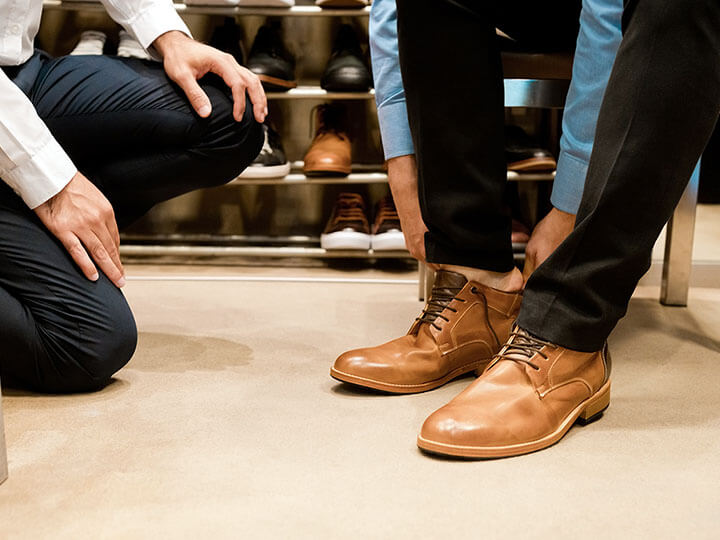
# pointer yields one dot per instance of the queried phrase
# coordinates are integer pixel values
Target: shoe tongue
(447, 285)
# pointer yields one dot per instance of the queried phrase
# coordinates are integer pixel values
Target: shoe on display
(346, 70)
(330, 153)
(228, 38)
(386, 232)
(464, 324)
(271, 161)
(91, 43)
(348, 226)
(523, 154)
(346, 4)
(271, 61)
(526, 400)
(129, 47)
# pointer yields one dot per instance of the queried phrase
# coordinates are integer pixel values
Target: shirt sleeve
(597, 44)
(389, 91)
(146, 20)
(32, 162)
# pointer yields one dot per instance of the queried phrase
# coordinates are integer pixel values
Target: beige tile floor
(226, 424)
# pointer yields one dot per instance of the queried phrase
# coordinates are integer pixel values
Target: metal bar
(421, 280)
(251, 251)
(315, 92)
(3, 448)
(429, 282)
(677, 263)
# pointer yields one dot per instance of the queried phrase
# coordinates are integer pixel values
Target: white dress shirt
(31, 160)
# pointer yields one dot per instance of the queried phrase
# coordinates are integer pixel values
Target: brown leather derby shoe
(462, 326)
(526, 400)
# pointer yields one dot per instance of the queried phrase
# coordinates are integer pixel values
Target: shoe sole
(533, 164)
(345, 240)
(389, 241)
(273, 84)
(273, 171)
(327, 172)
(588, 411)
(394, 388)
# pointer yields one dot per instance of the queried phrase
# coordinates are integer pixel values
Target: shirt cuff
(569, 183)
(43, 176)
(395, 130)
(159, 18)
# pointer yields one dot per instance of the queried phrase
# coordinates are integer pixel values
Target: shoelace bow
(524, 345)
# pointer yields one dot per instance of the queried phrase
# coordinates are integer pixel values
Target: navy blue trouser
(132, 132)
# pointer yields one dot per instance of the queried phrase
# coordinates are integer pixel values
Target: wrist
(164, 43)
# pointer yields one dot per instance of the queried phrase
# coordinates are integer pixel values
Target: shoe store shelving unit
(519, 93)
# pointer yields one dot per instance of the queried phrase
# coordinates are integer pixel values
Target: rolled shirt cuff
(569, 183)
(395, 130)
(42, 176)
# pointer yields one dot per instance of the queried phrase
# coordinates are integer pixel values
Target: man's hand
(402, 176)
(186, 60)
(83, 220)
(546, 237)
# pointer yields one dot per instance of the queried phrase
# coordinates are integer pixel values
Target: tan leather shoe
(330, 153)
(526, 400)
(462, 326)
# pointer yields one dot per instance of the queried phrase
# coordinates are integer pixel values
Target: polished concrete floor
(226, 424)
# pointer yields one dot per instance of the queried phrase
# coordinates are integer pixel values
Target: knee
(230, 145)
(101, 351)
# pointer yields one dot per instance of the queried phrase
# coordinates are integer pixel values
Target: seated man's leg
(59, 332)
(132, 131)
(453, 83)
(659, 111)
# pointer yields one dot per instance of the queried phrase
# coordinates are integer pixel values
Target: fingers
(197, 97)
(111, 249)
(240, 80)
(104, 253)
(76, 250)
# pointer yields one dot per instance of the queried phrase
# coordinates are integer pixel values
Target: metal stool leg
(3, 451)
(429, 282)
(678, 247)
(422, 270)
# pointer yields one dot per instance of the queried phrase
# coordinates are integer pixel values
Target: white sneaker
(130, 48)
(91, 42)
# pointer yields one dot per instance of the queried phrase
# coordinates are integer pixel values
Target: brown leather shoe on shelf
(330, 152)
(526, 400)
(348, 226)
(462, 326)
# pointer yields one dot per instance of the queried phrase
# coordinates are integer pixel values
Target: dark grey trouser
(131, 132)
(660, 108)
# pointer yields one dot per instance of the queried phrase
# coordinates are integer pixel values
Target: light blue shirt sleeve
(389, 92)
(597, 44)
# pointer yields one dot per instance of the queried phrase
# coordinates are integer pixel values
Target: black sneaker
(346, 70)
(228, 38)
(271, 161)
(524, 154)
(386, 232)
(271, 61)
(348, 225)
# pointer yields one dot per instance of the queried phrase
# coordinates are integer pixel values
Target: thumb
(197, 97)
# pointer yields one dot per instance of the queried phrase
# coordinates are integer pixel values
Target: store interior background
(226, 422)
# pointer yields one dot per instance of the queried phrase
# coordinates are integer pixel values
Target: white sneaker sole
(345, 240)
(274, 171)
(389, 241)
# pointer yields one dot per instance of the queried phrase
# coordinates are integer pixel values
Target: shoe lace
(440, 299)
(350, 207)
(522, 347)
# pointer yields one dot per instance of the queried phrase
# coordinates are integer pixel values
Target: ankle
(511, 281)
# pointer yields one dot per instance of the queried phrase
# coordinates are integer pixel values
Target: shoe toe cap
(455, 426)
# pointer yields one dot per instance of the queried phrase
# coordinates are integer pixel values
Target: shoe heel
(596, 407)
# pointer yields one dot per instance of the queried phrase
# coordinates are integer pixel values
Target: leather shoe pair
(528, 394)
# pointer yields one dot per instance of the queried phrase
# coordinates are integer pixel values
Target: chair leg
(429, 282)
(422, 269)
(3, 450)
(678, 247)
